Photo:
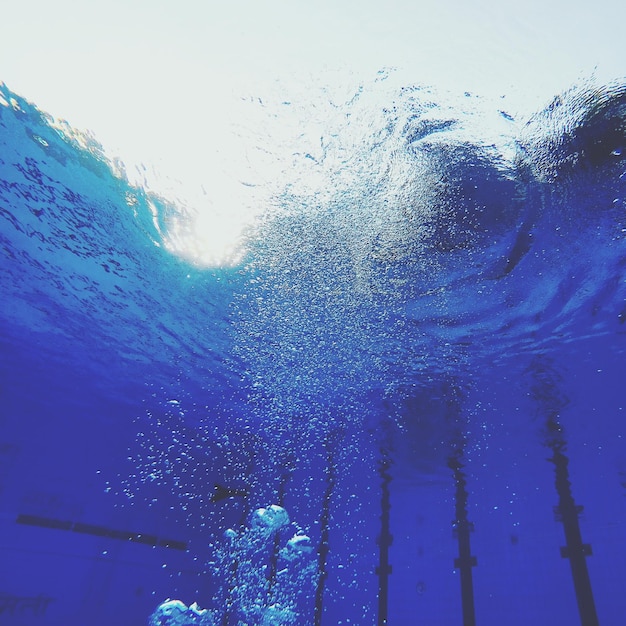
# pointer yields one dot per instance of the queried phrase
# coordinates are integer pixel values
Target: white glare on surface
(159, 82)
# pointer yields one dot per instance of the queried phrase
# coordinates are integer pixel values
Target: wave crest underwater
(435, 221)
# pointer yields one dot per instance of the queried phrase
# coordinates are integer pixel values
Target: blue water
(420, 362)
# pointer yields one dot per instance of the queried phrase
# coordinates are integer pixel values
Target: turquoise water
(390, 409)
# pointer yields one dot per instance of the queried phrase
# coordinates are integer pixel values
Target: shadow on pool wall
(403, 407)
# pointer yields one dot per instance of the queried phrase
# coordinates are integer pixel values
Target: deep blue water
(423, 365)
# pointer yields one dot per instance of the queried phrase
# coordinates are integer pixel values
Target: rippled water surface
(399, 400)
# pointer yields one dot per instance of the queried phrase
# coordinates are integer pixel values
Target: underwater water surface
(401, 403)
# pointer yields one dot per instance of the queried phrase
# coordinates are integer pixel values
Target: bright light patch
(159, 85)
(208, 237)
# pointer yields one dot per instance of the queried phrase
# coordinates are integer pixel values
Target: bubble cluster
(262, 582)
